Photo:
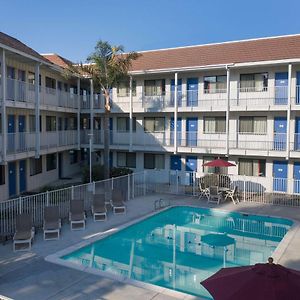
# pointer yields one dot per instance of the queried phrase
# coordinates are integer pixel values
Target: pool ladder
(161, 203)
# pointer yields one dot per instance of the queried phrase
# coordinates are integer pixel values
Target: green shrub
(97, 173)
(116, 172)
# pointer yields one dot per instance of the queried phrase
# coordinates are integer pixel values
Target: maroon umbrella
(218, 163)
(259, 282)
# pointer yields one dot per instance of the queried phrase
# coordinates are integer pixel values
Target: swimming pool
(181, 246)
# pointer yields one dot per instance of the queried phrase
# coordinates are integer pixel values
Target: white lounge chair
(233, 195)
(204, 191)
(215, 196)
(99, 210)
(52, 223)
(117, 202)
(77, 215)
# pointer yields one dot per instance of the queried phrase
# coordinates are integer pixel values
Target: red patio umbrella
(218, 163)
(259, 282)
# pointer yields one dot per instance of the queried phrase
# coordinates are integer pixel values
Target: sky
(71, 28)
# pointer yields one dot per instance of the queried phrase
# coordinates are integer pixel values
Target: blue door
(191, 166)
(280, 125)
(192, 92)
(280, 169)
(22, 175)
(12, 179)
(297, 135)
(297, 177)
(281, 88)
(298, 88)
(179, 129)
(179, 92)
(11, 129)
(22, 129)
(175, 162)
(191, 132)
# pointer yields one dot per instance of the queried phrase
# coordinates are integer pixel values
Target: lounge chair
(77, 215)
(215, 196)
(52, 223)
(99, 207)
(117, 202)
(24, 232)
(233, 195)
(204, 191)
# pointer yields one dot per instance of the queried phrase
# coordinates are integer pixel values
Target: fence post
(194, 183)
(144, 183)
(176, 181)
(244, 188)
(47, 198)
(112, 183)
(72, 192)
(20, 205)
(128, 187)
(133, 187)
(94, 187)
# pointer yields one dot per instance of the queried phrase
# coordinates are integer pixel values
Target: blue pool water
(181, 246)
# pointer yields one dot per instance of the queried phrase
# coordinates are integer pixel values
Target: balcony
(85, 101)
(19, 142)
(56, 139)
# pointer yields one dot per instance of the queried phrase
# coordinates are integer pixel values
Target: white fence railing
(132, 186)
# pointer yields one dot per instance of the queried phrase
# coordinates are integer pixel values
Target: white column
(78, 113)
(91, 107)
(227, 109)
(37, 109)
(175, 112)
(3, 107)
(130, 114)
(288, 114)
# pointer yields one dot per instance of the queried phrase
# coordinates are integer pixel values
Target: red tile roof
(18, 45)
(266, 49)
(58, 60)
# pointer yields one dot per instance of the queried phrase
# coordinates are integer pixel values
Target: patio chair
(24, 232)
(233, 195)
(215, 196)
(52, 223)
(99, 207)
(204, 191)
(117, 202)
(77, 215)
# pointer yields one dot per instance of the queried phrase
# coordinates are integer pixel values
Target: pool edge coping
(56, 257)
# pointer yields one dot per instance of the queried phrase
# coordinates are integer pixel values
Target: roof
(256, 50)
(58, 60)
(18, 45)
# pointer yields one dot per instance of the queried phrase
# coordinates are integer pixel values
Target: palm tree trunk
(106, 139)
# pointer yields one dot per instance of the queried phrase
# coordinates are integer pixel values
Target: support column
(175, 111)
(37, 109)
(288, 113)
(91, 108)
(78, 113)
(227, 109)
(3, 107)
(130, 114)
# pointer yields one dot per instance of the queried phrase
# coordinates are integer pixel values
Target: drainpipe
(175, 112)
(37, 97)
(288, 114)
(78, 113)
(227, 109)
(3, 107)
(130, 114)
(91, 108)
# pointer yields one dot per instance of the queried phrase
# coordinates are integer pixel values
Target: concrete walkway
(26, 275)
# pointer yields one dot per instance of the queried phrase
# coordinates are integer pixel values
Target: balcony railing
(54, 139)
(85, 101)
(20, 91)
(20, 142)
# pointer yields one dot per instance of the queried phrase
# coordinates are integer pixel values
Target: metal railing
(20, 142)
(132, 186)
(53, 139)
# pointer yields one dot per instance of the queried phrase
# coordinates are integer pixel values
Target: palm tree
(107, 66)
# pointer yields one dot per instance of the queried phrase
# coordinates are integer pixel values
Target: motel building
(181, 107)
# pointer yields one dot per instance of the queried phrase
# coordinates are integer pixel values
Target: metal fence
(132, 186)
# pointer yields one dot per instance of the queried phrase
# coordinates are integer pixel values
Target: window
(73, 157)
(36, 166)
(126, 159)
(252, 167)
(123, 124)
(154, 124)
(31, 80)
(256, 125)
(51, 161)
(154, 161)
(215, 84)
(257, 82)
(154, 87)
(2, 174)
(32, 123)
(214, 125)
(123, 89)
(50, 123)
(50, 84)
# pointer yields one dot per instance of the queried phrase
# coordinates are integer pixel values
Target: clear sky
(72, 27)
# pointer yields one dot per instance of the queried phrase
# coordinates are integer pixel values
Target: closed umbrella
(260, 282)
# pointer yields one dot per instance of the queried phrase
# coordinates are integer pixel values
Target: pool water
(181, 246)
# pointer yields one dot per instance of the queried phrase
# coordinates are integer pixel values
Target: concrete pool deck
(26, 275)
